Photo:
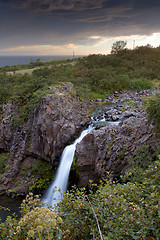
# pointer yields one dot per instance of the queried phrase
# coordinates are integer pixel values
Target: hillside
(45, 110)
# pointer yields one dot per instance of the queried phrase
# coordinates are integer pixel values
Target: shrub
(152, 106)
(122, 82)
(138, 163)
(140, 84)
(124, 211)
(36, 222)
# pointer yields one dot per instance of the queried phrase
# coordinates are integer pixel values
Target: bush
(138, 163)
(36, 222)
(124, 211)
(152, 106)
(140, 84)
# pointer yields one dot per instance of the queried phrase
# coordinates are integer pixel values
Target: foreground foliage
(36, 222)
(124, 211)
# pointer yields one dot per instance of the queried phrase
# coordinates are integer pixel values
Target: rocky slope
(52, 125)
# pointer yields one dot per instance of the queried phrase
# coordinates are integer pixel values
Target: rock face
(56, 122)
(53, 124)
(108, 147)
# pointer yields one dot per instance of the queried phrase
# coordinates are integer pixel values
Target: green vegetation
(44, 173)
(152, 105)
(121, 211)
(126, 210)
(41, 173)
(118, 46)
(144, 156)
(3, 162)
(93, 77)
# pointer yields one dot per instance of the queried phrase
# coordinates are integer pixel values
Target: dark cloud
(146, 4)
(64, 21)
(103, 15)
(50, 5)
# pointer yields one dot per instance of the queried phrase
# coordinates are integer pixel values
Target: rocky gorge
(121, 126)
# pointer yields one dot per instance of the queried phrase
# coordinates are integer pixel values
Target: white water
(59, 185)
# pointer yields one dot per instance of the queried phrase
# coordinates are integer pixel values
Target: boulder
(127, 114)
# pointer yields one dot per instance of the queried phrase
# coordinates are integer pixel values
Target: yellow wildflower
(30, 233)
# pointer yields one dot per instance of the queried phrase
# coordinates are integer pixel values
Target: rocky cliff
(52, 125)
(122, 130)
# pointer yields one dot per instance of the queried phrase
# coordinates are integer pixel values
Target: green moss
(40, 171)
(16, 184)
(41, 167)
(3, 162)
(129, 103)
(110, 145)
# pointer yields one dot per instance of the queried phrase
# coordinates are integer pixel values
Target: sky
(59, 27)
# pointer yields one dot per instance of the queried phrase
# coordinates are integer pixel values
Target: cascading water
(59, 185)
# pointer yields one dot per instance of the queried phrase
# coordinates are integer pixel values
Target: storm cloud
(50, 5)
(33, 22)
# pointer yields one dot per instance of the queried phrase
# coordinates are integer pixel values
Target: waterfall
(59, 184)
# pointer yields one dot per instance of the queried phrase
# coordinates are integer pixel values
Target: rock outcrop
(120, 130)
(52, 125)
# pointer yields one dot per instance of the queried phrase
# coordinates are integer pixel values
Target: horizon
(74, 55)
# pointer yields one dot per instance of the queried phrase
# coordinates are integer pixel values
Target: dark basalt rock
(108, 148)
(52, 125)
